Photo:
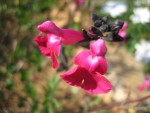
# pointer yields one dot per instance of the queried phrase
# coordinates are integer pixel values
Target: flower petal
(71, 36)
(91, 63)
(125, 26)
(96, 83)
(93, 83)
(83, 59)
(49, 27)
(144, 85)
(73, 76)
(98, 47)
(122, 33)
(42, 44)
(50, 53)
(54, 44)
(54, 60)
(98, 64)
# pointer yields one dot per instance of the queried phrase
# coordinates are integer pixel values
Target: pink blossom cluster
(90, 70)
(91, 65)
(50, 42)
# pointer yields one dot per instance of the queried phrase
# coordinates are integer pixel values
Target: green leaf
(25, 75)
(30, 90)
(9, 83)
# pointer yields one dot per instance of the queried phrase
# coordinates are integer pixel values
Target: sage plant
(91, 65)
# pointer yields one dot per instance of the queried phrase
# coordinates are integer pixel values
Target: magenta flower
(50, 44)
(145, 84)
(80, 2)
(93, 83)
(93, 60)
(89, 73)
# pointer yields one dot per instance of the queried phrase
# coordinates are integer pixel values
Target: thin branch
(99, 108)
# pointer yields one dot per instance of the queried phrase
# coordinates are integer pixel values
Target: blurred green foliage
(147, 69)
(20, 58)
(50, 103)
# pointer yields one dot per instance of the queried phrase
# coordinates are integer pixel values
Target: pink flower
(89, 73)
(93, 83)
(98, 48)
(93, 60)
(50, 44)
(145, 84)
(80, 2)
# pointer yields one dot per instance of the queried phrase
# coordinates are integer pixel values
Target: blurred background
(28, 84)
